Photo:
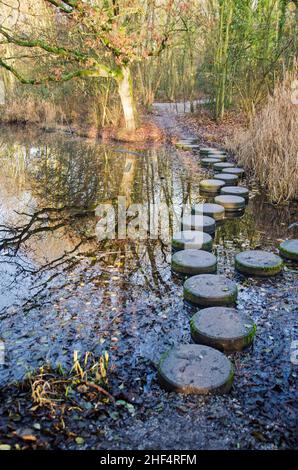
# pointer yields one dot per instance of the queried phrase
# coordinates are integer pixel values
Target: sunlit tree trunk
(125, 89)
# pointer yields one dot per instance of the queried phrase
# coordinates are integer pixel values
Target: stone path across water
(201, 368)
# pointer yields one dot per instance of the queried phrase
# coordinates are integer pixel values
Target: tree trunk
(125, 89)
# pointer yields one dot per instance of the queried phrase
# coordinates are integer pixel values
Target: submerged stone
(228, 179)
(208, 290)
(211, 185)
(230, 203)
(258, 263)
(235, 191)
(289, 249)
(190, 239)
(222, 165)
(234, 171)
(209, 162)
(222, 328)
(195, 369)
(192, 262)
(215, 211)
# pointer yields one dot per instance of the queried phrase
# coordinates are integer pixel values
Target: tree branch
(99, 71)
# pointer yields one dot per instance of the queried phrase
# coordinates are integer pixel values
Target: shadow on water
(62, 289)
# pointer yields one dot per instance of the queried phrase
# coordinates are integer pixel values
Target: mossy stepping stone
(206, 150)
(234, 214)
(208, 290)
(235, 191)
(217, 152)
(199, 223)
(222, 328)
(190, 239)
(187, 144)
(211, 185)
(192, 262)
(289, 249)
(209, 162)
(258, 263)
(222, 165)
(215, 211)
(234, 171)
(195, 369)
(219, 156)
(230, 203)
(228, 179)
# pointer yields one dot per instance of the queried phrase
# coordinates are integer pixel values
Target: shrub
(268, 149)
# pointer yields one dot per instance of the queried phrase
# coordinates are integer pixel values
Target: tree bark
(125, 89)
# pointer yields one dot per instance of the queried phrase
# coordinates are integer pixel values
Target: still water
(61, 289)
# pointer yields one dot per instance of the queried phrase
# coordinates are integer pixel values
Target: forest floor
(259, 413)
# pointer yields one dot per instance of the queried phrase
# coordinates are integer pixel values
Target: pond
(63, 289)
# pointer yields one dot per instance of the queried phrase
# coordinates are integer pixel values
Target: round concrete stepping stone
(209, 162)
(189, 239)
(195, 369)
(211, 185)
(215, 211)
(230, 203)
(206, 150)
(187, 144)
(222, 165)
(289, 249)
(194, 262)
(258, 263)
(230, 215)
(207, 290)
(200, 223)
(235, 191)
(234, 171)
(228, 179)
(216, 152)
(218, 156)
(222, 328)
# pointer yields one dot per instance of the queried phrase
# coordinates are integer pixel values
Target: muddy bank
(121, 297)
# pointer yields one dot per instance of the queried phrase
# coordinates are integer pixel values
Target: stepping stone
(200, 223)
(195, 369)
(218, 156)
(235, 191)
(187, 145)
(258, 263)
(228, 179)
(215, 211)
(194, 262)
(234, 171)
(230, 203)
(207, 150)
(208, 290)
(189, 239)
(209, 162)
(222, 328)
(211, 185)
(289, 249)
(222, 165)
(230, 215)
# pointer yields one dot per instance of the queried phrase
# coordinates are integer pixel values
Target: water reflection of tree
(68, 180)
